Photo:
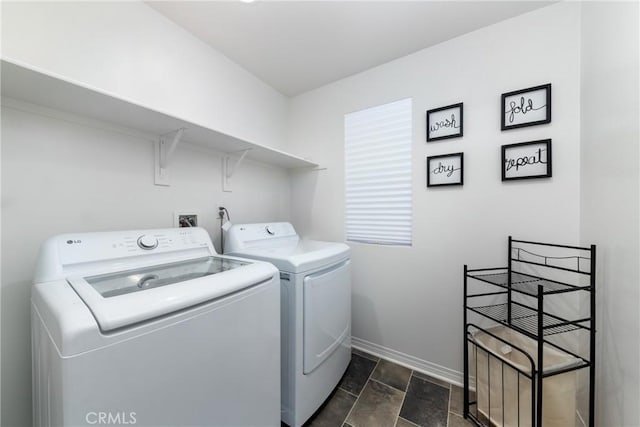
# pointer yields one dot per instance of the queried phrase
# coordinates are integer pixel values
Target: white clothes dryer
(315, 306)
(152, 328)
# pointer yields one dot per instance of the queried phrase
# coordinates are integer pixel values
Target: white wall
(409, 300)
(60, 176)
(130, 50)
(609, 199)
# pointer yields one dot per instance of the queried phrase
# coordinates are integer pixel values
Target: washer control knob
(147, 242)
(269, 230)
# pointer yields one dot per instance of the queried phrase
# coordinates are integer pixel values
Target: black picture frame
(435, 119)
(433, 173)
(515, 106)
(528, 159)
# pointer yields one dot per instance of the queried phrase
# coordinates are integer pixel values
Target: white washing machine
(316, 310)
(152, 328)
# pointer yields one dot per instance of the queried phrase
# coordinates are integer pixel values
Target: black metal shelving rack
(532, 320)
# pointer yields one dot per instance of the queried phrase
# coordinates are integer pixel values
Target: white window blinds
(378, 174)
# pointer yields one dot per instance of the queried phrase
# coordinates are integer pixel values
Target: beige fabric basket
(497, 381)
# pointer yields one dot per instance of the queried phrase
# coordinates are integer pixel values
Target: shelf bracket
(164, 148)
(229, 168)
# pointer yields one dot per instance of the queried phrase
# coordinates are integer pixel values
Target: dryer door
(327, 313)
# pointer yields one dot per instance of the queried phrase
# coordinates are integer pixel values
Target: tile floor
(377, 393)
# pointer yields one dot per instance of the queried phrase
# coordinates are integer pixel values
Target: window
(378, 174)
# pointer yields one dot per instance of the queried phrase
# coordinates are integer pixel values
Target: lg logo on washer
(110, 418)
(71, 242)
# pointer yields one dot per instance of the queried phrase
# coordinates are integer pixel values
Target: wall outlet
(183, 219)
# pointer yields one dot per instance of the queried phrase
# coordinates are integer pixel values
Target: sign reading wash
(444, 122)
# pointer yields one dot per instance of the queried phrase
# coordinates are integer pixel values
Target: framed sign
(526, 160)
(446, 169)
(526, 107)
(444, 122)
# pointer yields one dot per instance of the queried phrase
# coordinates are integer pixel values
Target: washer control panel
(147, 242)
(90, 247)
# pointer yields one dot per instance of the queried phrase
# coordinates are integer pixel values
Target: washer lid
(123, 298)
(299, 256)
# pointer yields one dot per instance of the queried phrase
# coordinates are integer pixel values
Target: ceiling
(297, 46)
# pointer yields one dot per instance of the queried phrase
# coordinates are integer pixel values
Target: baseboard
(411, 362)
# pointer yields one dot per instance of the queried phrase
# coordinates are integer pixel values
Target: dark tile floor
(378, 393)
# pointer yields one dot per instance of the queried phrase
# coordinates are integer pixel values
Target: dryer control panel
(259, 234)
